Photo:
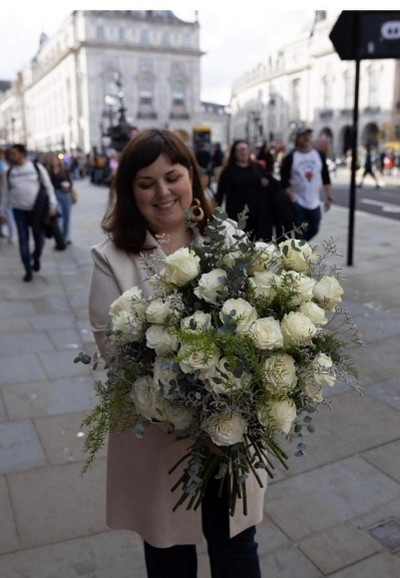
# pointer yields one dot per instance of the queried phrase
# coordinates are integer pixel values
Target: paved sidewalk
(336, 512)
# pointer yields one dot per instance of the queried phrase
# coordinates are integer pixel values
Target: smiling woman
(156, 188)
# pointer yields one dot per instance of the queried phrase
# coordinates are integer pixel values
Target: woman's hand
(264, 182)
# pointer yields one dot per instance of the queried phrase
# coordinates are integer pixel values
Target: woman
(242, 183)
(62, 185)
(157, 179)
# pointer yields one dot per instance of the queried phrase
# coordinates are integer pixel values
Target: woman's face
(242, 153)
(161, 191)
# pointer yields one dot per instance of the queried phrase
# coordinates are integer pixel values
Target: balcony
(146, 114)
(346, 112)
(326, 114)
(179, 115)
(371, 109)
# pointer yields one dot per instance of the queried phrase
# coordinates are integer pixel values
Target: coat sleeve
(45, 178)
(103, 291)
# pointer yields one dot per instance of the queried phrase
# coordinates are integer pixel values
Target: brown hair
(122, 220)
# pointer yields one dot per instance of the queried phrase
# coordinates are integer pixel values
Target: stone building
(71, 92)
(305, 82)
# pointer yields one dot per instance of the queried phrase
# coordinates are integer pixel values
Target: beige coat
(138, 483)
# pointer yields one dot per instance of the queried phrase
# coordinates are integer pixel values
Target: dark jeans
(23, 221)
(310, 216)
(64, 201)
(229, 557)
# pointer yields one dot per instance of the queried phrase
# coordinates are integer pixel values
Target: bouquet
(233, 350)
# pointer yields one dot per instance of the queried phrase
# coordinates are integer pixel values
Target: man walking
(304, 173)
(21, 186)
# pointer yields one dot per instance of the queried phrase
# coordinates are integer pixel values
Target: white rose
(241, 311)
(297, 328)
(197, 322)
(127, 329)
(225, 429)
(303, 286)
(266, 333)
(158, 311)
(124, 301)
(264, 284)
(210, 286)
(198, 360)
(322, 365)
(296, 255)
(283, 414)
(224, 381)
(160, 339)
(314, 312)
(328, 292)
(280, 372)
(145, 397)
(313, 390)
(265, 254)
(180, 417)
(181, 267)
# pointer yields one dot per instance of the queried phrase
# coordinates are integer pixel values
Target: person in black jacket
(304, 173)
(243, 183)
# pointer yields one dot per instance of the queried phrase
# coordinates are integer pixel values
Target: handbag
(74, 195)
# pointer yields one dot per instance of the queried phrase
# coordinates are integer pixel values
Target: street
(384, 202)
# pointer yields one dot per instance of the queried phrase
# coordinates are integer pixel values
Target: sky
(235, 36)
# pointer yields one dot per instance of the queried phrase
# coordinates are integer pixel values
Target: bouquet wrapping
(233, 351)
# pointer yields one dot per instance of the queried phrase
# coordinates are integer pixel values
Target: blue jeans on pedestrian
(64, 203)
(23, 221)
(310, 216)
(235, 557)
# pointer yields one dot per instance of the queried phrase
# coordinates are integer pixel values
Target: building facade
(305, 83)
(70, 94)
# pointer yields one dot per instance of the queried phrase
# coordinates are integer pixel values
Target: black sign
(367, 34)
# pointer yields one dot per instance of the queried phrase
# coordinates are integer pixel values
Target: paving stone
(51, 304)
(20, 368)
(42, 398)
(20, 448)
(65, 339)
(379, 363)
(353, 425)
(339, 547)
(3, 414)
(317, 500)
(375, 325)
(8, 533)
(63, 438)
(85, 332)
(61, 364)
(22, 343)
(282, 562)
(379, 566)
(113, 554)
(387, 391)
(15, 308)
(52, 321)
(269, 537)
(60, 504)
(386, 458)
(14, 325)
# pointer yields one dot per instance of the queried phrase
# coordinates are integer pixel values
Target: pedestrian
(217, 161)
(62, 183)
(9, 219)
(24, 180)
(203, 158)
(156, 180)
(368, 169)
(304, 173)
(243, 183)
(265, 155)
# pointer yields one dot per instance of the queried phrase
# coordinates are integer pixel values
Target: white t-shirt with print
(306, 178)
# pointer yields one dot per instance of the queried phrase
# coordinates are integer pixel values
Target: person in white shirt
(21, 185)
(304, 173)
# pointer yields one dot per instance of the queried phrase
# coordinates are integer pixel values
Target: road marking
(386, 207)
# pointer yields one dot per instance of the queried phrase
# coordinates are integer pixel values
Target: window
(296, 84)
(122, 34)
(146, 99)
(144, 36)
(187, 40)
(373, 87)
(145, 65)
(100, 33)
(165, 39)
(178, 93)
(348, 90)
(327, 92)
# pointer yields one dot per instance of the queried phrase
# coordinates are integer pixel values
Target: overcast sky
(234, 36)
